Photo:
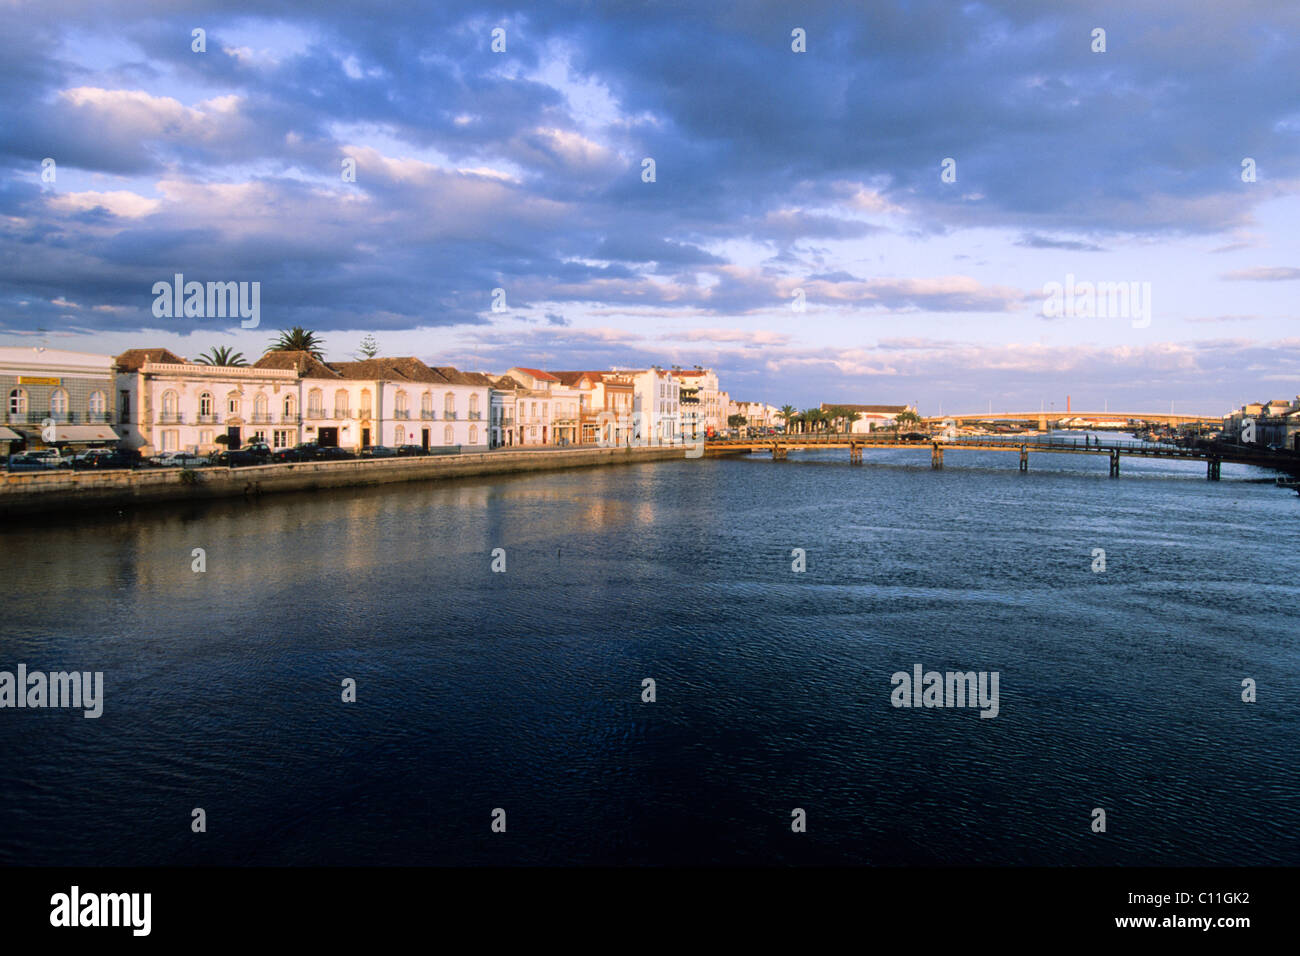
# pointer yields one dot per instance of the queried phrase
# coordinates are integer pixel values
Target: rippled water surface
(522, 690)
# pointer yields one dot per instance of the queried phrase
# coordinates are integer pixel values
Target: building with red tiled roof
(132, 359)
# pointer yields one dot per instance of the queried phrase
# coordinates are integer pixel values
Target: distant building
(871, 417)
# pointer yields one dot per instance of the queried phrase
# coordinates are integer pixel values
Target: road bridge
(1212, 454)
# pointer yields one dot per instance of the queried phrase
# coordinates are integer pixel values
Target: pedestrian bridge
(1212, 454)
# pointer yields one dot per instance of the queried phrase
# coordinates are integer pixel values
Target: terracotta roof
(304, 363)
(133, 359)
(505, 382)
(538, 374)
(456, 377)
(406, 369)
(573, 378)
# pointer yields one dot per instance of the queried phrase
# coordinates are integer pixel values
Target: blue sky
(775, 171)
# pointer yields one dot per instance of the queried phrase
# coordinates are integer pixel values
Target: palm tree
(220, 355)
(298, 339)
(788, 413)
(811, 417)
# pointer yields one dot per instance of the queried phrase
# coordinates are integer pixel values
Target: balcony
(208, 419)
(402, 414)
(290, 418)
(315, 413)
(507, 423)
(426, 414)
(365, 414)
(261, 418)
(342, 414)
(449, 416)
(171, 418)
(476, 416)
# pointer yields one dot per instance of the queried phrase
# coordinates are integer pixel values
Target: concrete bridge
(1043, 418)
(1212, 454)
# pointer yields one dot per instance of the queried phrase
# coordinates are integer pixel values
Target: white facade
(167, 406)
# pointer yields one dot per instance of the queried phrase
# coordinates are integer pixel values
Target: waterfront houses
(73, 390)
(1276, 423)
(656, 406)
(606, 401)
(169, 404)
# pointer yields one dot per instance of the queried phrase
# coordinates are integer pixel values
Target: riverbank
(36, 493)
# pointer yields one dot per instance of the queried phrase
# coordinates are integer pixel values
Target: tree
(369, 347)
(788, 413)
(736, 421)
(220, 355)
(812, 417)
(222, 439)
(908, 417)
(298, 339)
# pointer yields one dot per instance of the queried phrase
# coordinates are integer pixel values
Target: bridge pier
(1024, 458)
(936, 456)
(1114, 464)
(855, 454)
(778, 452)
(1212, 469)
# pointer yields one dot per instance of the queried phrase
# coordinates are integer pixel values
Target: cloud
(1263, 274)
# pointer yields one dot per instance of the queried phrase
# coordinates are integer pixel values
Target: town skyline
(838, 206)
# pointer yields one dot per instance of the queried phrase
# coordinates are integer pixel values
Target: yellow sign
(29, 380)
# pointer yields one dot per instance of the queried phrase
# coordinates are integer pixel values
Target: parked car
(378, 451)
(178, 459)
(411, 451)
(52, 457)
(305, 451)
(334, 454)
(259, 450)
(105, 458)
(233, 459)
(29, 462)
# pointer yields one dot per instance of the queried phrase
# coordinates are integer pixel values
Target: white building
(168, 404)
(656, 406)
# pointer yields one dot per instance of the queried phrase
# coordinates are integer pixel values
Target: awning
(79, 434)
(8, 434)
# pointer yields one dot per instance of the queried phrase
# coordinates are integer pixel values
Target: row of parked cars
(255, 453)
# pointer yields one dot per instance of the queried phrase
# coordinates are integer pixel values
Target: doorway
(327, 437)
(424, 438)
(234, 433)
(365, 437)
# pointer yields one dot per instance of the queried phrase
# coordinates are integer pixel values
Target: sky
(850, 202)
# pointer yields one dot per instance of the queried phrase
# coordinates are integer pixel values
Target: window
(315, 403)
(399, 405)
(98, 403)
(426, 405)
(124, 405)
(290, 407)
(473, 405)
(259, 435)
(449, 405)
(366, 403)
(18, 402)
(534, 414)
(399, 436)
(59, 402)
(205, 437)
(169, 404)
(473, 434)
(205, 403)
(261, 407)
(232, 403)
(281, 438)
(341, 403)
(448, 436)
(171, 440)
